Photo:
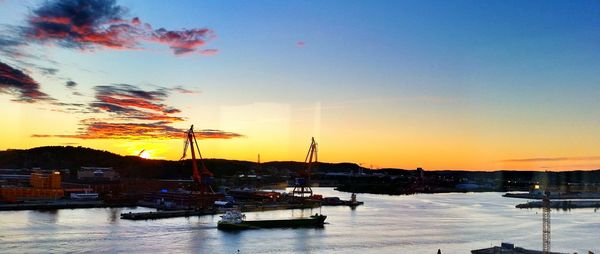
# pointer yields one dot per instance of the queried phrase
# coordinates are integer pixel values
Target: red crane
(202, 180)
(302, 183)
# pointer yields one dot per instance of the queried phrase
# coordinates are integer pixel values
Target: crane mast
(302, 183)
(546, 224)
(201, 179)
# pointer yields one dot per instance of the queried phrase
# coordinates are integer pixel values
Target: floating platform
(564, 204)
(509, 248)
(583, 195)
(163, 214)
(59, 204)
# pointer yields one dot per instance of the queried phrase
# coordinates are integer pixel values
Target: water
(453, 222)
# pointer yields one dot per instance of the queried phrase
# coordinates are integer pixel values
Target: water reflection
(44, 216)
(454, 223)
(113, 215)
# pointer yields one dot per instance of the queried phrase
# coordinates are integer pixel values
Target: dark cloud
(134, 114)
(134, 131)
(182, 42)
(127, 101)
(48, 71)
(71, 84)
(183, 90)
(80, 23)
(91, 24)
(217, 134)
(20, 85)
(6, 42)
(137, 131)
(550, 159)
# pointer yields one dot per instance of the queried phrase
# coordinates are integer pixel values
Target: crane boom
(302, 183)
(201, 179)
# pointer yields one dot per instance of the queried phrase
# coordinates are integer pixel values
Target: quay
(59, 204)
(580, 195)
(188, 213)
(565, 204)
(163, 214)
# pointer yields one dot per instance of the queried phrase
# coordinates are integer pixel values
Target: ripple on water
(453, 222)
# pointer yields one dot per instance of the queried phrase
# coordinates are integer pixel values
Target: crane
(546, 224)
(302, 183)
(202, 180)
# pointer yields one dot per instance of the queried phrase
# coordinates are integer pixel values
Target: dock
(188, 213)
(564, 204)
(509, 248)
(583, 195)
(59, 204)
(163, 214)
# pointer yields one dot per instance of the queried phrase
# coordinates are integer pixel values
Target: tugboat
(235, 220)
(353, 202)
(335, 201)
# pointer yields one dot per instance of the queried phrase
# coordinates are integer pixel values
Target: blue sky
(497, 80)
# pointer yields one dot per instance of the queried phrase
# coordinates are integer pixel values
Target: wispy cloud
(15, 82)
(127, 101)
(138, 131)
(95, 24)
(71, 84)
(133, 131)
(217, 134)
(183, 90)
(554, 159)
(130, 112)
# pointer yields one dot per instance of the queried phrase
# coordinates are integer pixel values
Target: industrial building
(42, 186)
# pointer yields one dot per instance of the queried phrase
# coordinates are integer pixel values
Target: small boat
(353, 202)
(235, 220)
(335, 201)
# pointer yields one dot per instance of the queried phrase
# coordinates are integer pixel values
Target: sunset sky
(477, 85)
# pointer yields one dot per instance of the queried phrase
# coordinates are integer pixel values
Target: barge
(235, 220)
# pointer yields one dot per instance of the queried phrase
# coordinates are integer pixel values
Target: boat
(235, 220)
(335, 201)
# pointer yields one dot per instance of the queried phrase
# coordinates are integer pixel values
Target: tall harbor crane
(202, 180)
(302, 182)
(200, 195)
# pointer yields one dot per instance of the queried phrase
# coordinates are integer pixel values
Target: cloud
(137, 131)
(92, 24)
(132, 113)
(130, 102)
(554, 159)
(209, 52)
(182, 90)
(20, 85)
(71, 84)
(132, 131)
(218, 134)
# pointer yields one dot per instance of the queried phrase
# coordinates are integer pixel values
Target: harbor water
(423, 223)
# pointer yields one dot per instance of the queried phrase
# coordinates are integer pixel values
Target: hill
(72, 158)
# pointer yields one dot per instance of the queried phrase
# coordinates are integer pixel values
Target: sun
(145, 154)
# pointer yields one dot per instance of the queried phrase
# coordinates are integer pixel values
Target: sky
(473, 85)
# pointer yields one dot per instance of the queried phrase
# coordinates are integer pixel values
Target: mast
(202, 180)
(302, 183)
